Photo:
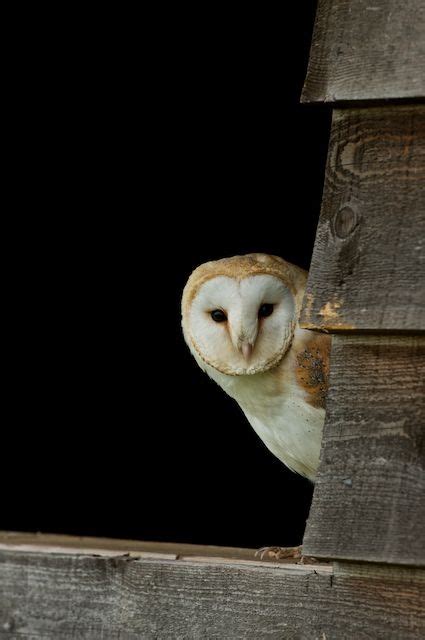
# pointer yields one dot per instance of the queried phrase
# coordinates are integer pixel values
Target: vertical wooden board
(368, 502)
(368, 265)
(367, 50)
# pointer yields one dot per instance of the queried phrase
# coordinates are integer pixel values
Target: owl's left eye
(265, 310)
(218, 315)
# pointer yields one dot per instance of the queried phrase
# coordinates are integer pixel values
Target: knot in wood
(344, 222)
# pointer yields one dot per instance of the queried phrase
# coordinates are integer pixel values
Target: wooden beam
(57, 596)
(367, 50)
(54, 543)
(368, 266)
(368, 502)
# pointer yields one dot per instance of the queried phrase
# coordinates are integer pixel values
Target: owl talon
(278, 553)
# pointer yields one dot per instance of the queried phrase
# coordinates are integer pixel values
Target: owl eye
(218, 315)
(265, 310)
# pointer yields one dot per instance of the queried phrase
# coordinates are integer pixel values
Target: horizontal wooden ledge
(64, 596)
(111, 547)
(365, 103)
(359, 331)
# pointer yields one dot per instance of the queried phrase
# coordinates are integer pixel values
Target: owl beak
(246, 349)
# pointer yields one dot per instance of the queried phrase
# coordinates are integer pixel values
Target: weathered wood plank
(367, 50)
(368, 502)
(64, 597)
(368, 265)
(50, 543)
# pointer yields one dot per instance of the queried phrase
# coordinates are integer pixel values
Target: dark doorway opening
(115, 431)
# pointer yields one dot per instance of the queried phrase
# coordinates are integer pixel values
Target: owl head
(239, 314)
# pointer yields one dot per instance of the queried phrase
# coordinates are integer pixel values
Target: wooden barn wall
(69, 593)
(367, 50)
(366, 282)
(368, 266)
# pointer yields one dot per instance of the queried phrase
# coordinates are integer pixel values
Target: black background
(160, 153)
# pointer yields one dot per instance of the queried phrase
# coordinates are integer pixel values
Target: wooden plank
(368, 266)
(110, 547)
(54, 543)
(367, 50)
(368, 502)
(68, 596)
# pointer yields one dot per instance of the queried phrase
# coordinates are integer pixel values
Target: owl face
(240, 325)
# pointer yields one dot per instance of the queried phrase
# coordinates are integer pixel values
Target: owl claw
(278, 553)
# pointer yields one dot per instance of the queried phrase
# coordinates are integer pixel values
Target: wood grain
(368, 502)
(68, 596)
(50, 543)
(367, 50)
(368, 266)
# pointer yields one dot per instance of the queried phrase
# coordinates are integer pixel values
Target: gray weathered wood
(22, 541)
(60, 596)
(368, 264)
(368, 501)
(367, 50)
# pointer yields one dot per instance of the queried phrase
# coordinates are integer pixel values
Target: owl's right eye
(218, 315)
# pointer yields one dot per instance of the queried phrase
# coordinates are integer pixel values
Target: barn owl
(240, 322)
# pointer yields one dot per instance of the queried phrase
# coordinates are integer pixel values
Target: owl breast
(284, 405)
(292, 431)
